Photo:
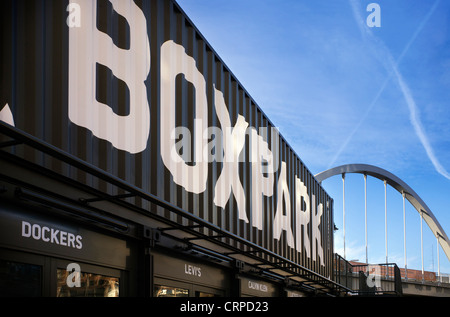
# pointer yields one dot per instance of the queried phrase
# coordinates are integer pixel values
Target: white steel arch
(402, 188)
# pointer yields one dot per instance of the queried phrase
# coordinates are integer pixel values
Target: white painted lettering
(282, 222)
(62, 238)
(54, 235)
(192, 270)
(88, 46)
(174, 61)
(302, 216)
(71, 240)
(26, 229)
(44, 236)
(257, 286)
(36, 232)
(184, 157)
(6, 115)
(261, 160)
(316, 217)
(51, 235)
(79, 244)
(234, 139)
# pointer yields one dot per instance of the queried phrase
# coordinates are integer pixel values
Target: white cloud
(354, 250)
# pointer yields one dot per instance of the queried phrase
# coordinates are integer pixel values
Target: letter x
(234, 140)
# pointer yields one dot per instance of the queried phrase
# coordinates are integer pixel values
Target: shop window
(20, 279)
(91, 285)
(205, 294)
(167, 291)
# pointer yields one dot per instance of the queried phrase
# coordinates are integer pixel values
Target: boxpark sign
(142, 95)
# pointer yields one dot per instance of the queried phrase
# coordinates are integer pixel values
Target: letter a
(283, 222)
(74, 17)
(302, 217)
(374, 19)
(73, 279)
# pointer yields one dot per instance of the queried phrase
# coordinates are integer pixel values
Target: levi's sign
(186, 153)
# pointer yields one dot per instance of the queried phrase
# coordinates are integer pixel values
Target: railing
(427, 277)
(368, 279)
(343, 272)
(443, 278)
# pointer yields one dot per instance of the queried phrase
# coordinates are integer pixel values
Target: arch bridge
(407, 193)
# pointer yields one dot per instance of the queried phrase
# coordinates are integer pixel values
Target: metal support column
(421, 241)
(439, 268)
(343, 207)
(385, 221)
(404, 234)
(150, 238)
(365, 209)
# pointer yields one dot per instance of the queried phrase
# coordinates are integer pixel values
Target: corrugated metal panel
(35, 85)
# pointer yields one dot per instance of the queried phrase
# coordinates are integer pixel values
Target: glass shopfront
(169, 291)
(90, 285)
(20, 279)
(188, 277)
(28, 275)
(46, 256)
(170, 288)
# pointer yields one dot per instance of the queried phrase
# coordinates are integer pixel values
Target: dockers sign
(141, 79)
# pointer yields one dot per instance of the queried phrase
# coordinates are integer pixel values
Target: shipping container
(132, 91)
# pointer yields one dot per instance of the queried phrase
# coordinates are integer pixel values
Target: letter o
(36, 231)
(175, 61)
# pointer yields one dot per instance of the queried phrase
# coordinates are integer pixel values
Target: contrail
(415, 120)
(384, 55)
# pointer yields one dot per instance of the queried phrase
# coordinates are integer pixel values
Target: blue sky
(341, 92)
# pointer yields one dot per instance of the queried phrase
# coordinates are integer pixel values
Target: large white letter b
(89, 46)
